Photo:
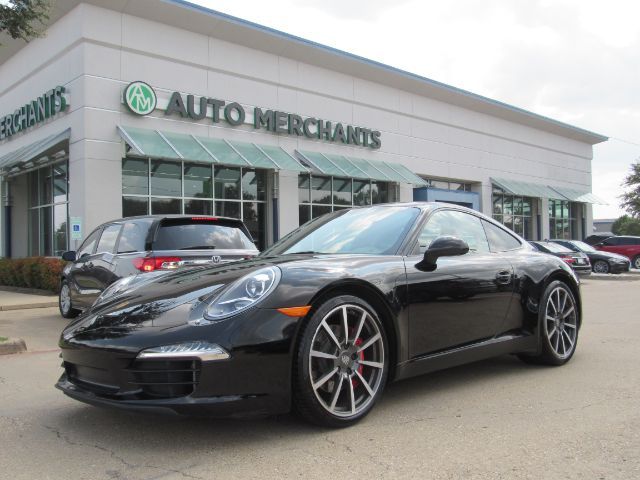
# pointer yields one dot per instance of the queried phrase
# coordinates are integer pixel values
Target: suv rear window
(188, 234)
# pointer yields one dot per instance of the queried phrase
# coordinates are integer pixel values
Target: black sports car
(601, 261)
(325, 318)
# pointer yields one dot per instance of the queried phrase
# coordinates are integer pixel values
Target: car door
(465, 299)
(81, 281)
(103, 264)
(613, 245)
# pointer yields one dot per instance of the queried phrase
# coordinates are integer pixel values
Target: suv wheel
(64, 301)
(636, 262)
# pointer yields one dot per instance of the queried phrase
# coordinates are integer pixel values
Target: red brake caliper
(357, 343)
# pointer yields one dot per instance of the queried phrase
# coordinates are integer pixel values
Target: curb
(28, 291)
(11, 346)
(26, 306)
(620, 277)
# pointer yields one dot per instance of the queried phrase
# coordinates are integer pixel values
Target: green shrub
(34, 272)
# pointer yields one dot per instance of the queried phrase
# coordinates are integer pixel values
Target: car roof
(162, 217)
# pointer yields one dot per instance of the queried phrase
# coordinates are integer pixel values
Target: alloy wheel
(65, 298)
(601, 266)
(346, 360)
(636, 262)
(561, 322)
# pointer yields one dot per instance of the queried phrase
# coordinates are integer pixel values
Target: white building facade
(129, 108)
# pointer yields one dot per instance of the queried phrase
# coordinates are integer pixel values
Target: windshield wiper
(301, 252)
(199, 247)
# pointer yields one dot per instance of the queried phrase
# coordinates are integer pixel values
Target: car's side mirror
(599, 244)
(69, 256)
(446, 246)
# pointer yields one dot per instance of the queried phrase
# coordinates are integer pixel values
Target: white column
(95, 183)
(287, 201)
(588, 221)
(406, 193)
(544, 218)
(486, 205)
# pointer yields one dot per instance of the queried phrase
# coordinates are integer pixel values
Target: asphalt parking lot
(497, 419)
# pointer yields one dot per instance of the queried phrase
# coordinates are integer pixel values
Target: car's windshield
(372, 230)
(585, 247)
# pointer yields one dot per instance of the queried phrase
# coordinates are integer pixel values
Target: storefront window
(195, 189)
(448, 185)
(562, 219)
(198, 181)
(318, 195)
(48, 213)
(135, 176)
(513, 212)
(166, 178)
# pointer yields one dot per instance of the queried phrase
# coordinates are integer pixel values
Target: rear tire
(341, 363)
(64, 301)
(558, 321)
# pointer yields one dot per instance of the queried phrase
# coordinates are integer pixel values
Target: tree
(631, 198)
(626, 225)
(19, 17)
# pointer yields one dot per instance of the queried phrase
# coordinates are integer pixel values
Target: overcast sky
(577, 61)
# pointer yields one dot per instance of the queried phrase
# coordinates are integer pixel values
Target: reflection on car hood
(612, 255)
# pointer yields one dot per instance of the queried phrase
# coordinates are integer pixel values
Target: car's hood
(171, 299)
(611, 255)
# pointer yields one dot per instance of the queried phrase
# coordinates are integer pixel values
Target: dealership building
(160, 106)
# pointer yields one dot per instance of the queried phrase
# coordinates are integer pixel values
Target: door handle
(503, 277)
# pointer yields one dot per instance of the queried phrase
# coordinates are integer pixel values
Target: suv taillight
(149, 264)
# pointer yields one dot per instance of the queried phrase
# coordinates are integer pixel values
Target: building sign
(141, 99)
(37, 111)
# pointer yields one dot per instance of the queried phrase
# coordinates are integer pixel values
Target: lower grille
(94, 379)
(165, 378)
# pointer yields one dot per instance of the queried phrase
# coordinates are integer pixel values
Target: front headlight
(244, 293)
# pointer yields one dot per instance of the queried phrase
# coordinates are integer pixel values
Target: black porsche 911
(325, 318)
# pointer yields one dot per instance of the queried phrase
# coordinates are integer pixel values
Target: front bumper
(104, 367)
(217, 406)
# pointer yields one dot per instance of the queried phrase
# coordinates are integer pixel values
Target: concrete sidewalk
(21, 301)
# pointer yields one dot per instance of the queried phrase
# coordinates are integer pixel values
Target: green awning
(538, 190)
(526, 189)
(352, 167)
(180, 146)
(579, 196)
(38, 153)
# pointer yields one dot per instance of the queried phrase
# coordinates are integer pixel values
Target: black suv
(134, 245)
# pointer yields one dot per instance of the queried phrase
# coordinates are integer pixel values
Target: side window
(133, 238)
(629, 241)
(458, 224)
(499, 239)
(90, 242)
(108, 239)
(610, 242)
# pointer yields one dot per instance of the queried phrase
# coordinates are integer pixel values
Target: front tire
(558, 321)
(341, 363)
(64, 301)
(636, 262)
(600, 266)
